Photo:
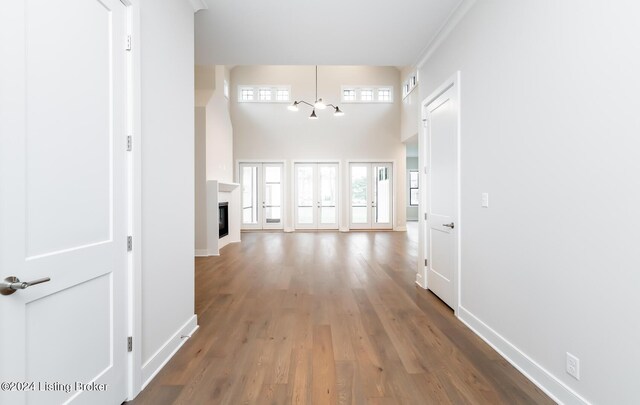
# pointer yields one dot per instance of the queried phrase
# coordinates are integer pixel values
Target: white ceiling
(317, 32)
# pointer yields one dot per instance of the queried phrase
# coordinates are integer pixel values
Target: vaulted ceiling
(314, 32)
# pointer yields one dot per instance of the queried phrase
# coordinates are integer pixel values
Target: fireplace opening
(223, 209)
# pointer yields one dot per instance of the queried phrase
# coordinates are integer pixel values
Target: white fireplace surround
(217, 192)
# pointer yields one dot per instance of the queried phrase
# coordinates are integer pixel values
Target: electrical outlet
(573, 366)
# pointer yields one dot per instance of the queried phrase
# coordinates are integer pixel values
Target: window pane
(272, 174)
(304, 179)
(265, 94)
(413, 179)
(359, 186)
(366, 95)
(328, 185)
(282, 95)
(272, 194)
(415, 197)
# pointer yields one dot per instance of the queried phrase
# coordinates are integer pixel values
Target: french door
(316, 195)
(371, 196)
(262, 186)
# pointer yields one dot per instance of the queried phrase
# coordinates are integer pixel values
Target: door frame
(285, 189)
(292, 197)
(423, 165)
(394, 192)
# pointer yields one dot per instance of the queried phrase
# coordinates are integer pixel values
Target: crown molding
(198, 5)
(450, 23)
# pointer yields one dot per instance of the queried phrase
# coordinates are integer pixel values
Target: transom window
(348, 95)
(367, 94)
(264, 94)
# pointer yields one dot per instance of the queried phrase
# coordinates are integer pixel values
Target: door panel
(316, 195)
(442, 197)
(63, 186)
(273, 195)
(371, 192)
(262, 186)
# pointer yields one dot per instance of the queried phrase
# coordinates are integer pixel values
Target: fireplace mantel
(220, 192)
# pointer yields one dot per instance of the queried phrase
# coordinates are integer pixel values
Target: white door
(63, 202)
(262, 186)
(316, 195)
(441, 126)
(371, 192)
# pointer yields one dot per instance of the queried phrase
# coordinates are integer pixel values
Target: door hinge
(129, 243)
(425, 216)
(129, 143)
(130, 344)
(426, 262)
(127, 46)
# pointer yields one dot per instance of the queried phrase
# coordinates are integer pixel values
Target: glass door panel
(262, 196)
(359, 194)
(382, 196)
(328, 195)
(371, 195)
(273, 195)
(316, 195)
(249, 189)
(304, 177)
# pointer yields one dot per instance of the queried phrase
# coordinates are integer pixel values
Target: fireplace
(223, 209)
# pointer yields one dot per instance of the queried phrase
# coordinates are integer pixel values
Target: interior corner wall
(268, 131)
(167, 165)
(219, 131)
(550, 126)
(200, 180)
(410, 110)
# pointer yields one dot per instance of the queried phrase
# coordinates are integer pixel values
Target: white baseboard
(202, 253)
(343, 229)
(400, 229)
(288, 230)
(547, 382)
(420, 281)
(166, 352)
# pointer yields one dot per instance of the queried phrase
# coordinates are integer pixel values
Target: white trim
(201, 253)
(198, 5)
(544, 379)
(168, 349)
(452, 20)
(400, 229)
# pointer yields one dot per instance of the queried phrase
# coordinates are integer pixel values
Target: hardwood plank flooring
(329, 318)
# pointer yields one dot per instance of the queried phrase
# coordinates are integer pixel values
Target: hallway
(329, 318)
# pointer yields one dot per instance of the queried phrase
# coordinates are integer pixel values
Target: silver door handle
(12, 284)
(451, 225)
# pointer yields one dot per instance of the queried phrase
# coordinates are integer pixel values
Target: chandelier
(317, 105)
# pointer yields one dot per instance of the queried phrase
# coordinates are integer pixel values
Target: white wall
(551, 130)
(366, 131)
(201, 180)
(410, 111)
(167, 122)
(219, 130)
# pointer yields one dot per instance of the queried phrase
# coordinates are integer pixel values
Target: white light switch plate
(485, 200)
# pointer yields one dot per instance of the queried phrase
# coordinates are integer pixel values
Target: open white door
(63, 202)
(441, 128)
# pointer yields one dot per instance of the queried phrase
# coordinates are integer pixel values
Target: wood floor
(329, 318)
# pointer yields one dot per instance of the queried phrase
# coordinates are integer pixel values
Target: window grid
(384, 95)
(349, 95)
(366, 95)
(282, 95)
(264, 94)
(414, 185)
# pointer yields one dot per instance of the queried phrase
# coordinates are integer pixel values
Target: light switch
(485, 200)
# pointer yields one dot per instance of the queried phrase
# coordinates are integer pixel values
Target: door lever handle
(12, 284)
(451, 225)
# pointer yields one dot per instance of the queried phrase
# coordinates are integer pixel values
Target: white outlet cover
(573, 366)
